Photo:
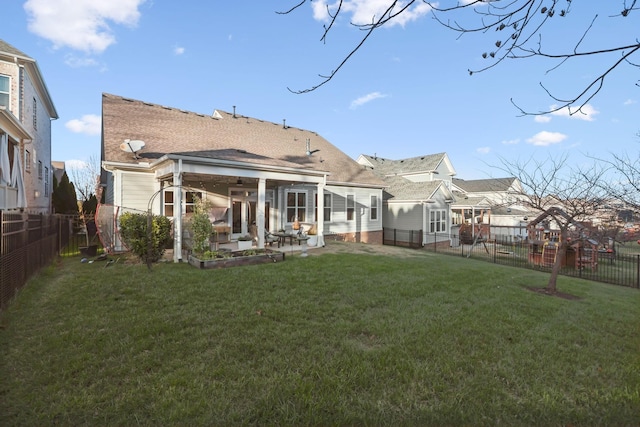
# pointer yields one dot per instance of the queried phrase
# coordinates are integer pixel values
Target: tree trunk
(557, 265)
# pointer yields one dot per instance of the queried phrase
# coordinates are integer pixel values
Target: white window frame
(374, 207)
(46, 181)
(35, 114)
(351, 208)
(327, 206)
(437, 221)
(188, 201)
(27, 161)
(8, 92)
(299, 211)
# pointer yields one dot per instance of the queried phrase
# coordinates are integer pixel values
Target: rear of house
(259, 176)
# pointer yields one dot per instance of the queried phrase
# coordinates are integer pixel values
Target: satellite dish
(132, 146)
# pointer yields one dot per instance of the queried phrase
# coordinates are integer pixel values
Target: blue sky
(406, 93)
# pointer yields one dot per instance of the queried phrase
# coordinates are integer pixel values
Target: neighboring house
(59, 168)
(507, 216)
(26, 111)
(418, 195)
(255, 173)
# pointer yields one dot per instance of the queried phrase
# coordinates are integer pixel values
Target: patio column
(260, 214)
(320, 218)
(177, 213)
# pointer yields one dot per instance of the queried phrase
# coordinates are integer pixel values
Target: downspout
(424, 223)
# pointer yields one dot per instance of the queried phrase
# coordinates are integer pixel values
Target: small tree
(63, 197)
(566, 195)
(200, 225)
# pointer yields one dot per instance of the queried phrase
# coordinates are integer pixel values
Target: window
(27, 161)
(39, 169)
(5, 84)
(327, 207)
(35, 114)
(438, 221)
(168, 203)
(46, 182)
(351, 207)
(374, 207)
(190, 200)
(296, 206)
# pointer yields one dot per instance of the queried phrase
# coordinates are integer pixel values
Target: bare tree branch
(518, 22)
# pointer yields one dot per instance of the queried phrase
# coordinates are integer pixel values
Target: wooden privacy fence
(28, 242)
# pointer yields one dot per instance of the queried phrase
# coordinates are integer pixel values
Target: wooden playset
(545, 241)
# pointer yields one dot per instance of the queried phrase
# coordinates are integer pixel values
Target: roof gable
(420, 164)
(493, 185)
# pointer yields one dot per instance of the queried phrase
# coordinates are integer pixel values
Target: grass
(332, 339)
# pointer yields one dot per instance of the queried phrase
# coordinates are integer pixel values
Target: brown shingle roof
(484, 185)
(427, 163)
(167, 130)
(6, 48)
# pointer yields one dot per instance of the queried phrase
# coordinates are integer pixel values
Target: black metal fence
(29, 242)
(621, 267)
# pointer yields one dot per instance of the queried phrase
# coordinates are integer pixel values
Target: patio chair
(270, 239)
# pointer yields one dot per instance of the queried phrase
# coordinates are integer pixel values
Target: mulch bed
(558, 294)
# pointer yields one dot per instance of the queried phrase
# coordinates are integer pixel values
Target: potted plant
(245, 242)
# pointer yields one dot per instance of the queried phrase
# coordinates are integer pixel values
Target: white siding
(137, 189)
(339, 225)
(404, 216)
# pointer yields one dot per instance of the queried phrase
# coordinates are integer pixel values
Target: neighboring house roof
(401, 189)
(462, 201)
(420, 164)
(58, 169)
(485, 185)
(8, 51)
(222, 136)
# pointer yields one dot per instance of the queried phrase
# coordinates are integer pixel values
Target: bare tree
(84, 178)
(568, 196)
(519, 26)
(625, 184)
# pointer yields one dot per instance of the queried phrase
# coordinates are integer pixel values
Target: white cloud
(483, 150)
(89, 124)
(80, 25)
(364, 11)
(586, 113)
(75, 164)
(511, 141)
(178, 50)
(75, 62)
(367, 98)
(544, 138)
(542, 119)
(630, 102)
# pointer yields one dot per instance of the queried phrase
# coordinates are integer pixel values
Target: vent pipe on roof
(234, 111)
(284, 123)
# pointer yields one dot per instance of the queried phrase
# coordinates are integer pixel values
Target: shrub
(133, 230)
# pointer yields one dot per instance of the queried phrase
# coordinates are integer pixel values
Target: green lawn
(331, 339)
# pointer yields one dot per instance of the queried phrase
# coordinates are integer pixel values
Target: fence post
(395, 242)
(638, 271)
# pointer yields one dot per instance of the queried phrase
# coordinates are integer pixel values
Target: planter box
(235, 261)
